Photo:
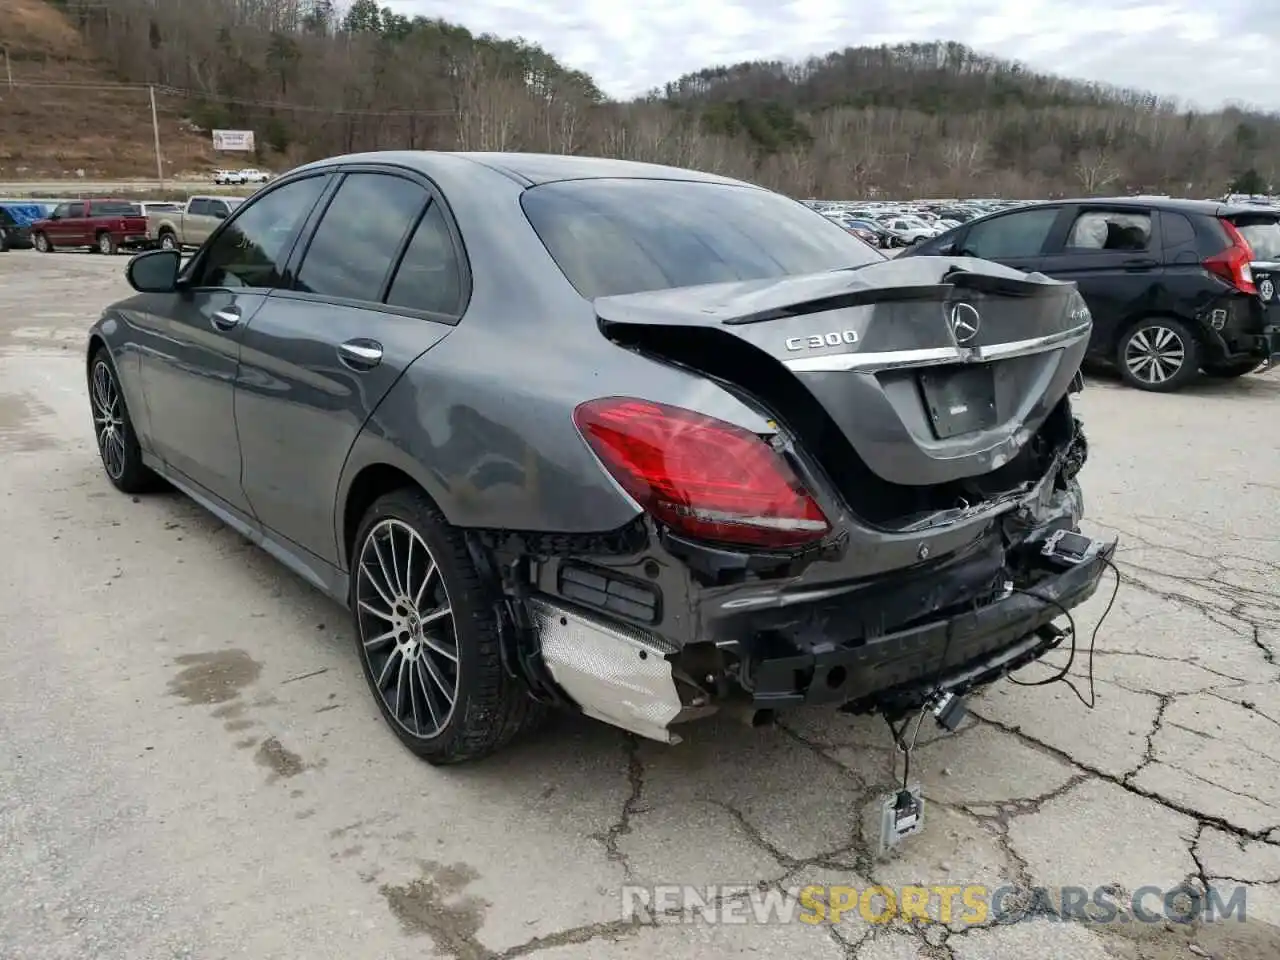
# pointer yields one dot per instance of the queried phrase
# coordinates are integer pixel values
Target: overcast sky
(1203, 51)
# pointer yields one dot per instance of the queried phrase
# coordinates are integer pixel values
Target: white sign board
(233, 140)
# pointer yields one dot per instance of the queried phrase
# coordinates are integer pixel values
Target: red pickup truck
(103, 226)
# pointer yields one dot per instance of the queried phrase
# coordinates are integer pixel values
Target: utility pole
(155, 129)
(8, 67)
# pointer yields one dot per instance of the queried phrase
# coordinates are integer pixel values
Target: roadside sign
(233, 140)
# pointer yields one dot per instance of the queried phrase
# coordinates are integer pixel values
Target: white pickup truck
(192, 225)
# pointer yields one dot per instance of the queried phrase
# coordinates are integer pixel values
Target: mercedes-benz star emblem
(965, 321)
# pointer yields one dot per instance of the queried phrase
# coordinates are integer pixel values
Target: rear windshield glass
(1263, 235)
(617, 236)
(114, 208)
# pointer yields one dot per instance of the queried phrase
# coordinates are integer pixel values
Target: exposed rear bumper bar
(901, 669)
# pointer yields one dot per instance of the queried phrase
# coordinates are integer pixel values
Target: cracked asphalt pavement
(191, 766)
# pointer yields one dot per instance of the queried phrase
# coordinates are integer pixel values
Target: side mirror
(155, 271)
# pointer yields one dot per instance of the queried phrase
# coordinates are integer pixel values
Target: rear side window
(359, 236)
(1013, 235)
(429, 276)
(1110, 230)
(617, 236)
(1262, 234)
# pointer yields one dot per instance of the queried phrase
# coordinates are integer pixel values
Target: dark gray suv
(633, 440)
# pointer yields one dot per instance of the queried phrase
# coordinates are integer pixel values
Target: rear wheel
(427, 635)
(168, 240)
(1232, 368)
(4, 240)
(1158, 354)
(117, 442)
(41, 243)
(106, 244)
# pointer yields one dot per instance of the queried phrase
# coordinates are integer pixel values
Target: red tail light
(702, 477)
(1232, 264)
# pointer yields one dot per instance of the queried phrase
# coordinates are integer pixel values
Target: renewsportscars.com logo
(968, 904)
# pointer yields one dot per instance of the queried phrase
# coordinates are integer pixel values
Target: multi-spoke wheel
(1158, 354)
(113, 430)
(407, 629)
(427, 630)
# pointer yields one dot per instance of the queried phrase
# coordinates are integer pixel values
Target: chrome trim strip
(935, 356)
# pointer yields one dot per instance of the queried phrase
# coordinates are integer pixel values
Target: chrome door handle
(226, 319)
(360, 354)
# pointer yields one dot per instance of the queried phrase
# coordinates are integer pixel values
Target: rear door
(379, 282)
(1114, 255)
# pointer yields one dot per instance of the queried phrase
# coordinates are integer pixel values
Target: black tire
(1158, 354)
(1232, 368)
(489, 707)
(168, 240)
(4, 240)
(117, 442)
(41, 243)
(106, 244)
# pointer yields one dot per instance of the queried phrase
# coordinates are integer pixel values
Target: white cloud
(1202, 53)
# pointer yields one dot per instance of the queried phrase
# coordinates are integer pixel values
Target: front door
(318, 358)
(190, 343)
(56, 229)
(1016, 239)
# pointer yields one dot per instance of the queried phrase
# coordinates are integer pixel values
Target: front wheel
(1232, 368)
(427, 635)
(41, 243)
(1158, 354)
(4, 240)
(117, 442)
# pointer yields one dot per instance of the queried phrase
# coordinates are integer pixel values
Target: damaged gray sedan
(632, 440)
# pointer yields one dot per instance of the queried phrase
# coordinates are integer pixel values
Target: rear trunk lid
(921, 382)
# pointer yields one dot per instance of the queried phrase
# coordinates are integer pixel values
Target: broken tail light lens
(702, 477)
(1233, 263)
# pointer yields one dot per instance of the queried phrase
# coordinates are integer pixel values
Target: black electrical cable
(937, 688)
(1061, 675)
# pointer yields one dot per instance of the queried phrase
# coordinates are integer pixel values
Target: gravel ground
(190, 765)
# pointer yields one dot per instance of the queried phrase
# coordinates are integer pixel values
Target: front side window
(617, 236)
(360, 235)
(60, 211)
(1014, 235)
(1110, 230)
(251, 251)
(199, 208)
(75, 210)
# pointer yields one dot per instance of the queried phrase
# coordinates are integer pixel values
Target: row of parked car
(888, 224)
(110, 225)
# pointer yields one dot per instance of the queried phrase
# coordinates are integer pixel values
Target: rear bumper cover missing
(951, 653)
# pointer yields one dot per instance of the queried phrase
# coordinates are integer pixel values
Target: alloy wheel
(168, 242)
(108, 419)
(1155, 354)
(104, 243)
(408, 634)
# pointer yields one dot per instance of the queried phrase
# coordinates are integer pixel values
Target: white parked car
(909, 230)
(254, 175)
(226, 178)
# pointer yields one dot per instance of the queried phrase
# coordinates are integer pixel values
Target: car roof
(531, 169)
(1212, 208)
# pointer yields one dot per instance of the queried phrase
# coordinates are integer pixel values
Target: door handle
(226, 319)
(360, 354)
(1139, 264)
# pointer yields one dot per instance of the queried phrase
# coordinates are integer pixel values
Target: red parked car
(104, 226)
